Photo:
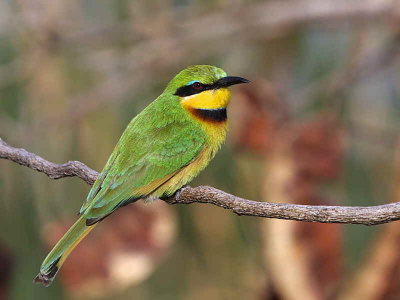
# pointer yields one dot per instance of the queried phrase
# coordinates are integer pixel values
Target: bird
(161, 150)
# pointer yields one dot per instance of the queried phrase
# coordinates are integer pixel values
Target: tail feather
(61, 251)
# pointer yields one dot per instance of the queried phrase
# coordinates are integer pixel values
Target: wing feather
(144, 159)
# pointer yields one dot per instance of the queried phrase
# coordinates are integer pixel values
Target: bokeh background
(319, 124)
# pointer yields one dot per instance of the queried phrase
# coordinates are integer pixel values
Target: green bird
(162, 149)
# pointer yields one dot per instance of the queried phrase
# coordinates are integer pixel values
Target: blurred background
(317, 125)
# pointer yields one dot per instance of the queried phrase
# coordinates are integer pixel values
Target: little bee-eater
(162, 149)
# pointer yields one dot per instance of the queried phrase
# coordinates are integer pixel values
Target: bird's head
(203, 87)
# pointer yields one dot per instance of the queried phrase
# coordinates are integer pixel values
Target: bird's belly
(186, 174)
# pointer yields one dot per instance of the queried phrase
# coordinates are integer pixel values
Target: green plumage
(151, 159)
(150, 148)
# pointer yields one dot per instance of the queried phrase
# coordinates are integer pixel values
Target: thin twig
(372, 215)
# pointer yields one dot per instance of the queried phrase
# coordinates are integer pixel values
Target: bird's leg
(172, 198)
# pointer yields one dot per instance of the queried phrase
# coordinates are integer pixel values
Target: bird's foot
(172, 199)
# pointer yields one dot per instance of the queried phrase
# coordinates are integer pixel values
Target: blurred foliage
(322, 108)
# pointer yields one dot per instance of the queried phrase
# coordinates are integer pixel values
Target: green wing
(146, 154)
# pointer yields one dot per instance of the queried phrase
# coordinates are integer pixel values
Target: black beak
(230, 80)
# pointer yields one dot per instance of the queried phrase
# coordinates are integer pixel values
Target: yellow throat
(211, 99)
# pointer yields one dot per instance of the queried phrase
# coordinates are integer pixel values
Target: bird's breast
(213, 123)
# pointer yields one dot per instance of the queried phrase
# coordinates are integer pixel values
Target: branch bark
(370, 215)
(53, 170)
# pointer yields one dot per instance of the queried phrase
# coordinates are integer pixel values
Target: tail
(61, 250)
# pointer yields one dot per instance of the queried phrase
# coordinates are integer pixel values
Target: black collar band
(211, 115)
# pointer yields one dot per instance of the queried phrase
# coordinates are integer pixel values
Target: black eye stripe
(198, 87)
(188, 90)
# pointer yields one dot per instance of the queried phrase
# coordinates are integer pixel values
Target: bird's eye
(197, 85)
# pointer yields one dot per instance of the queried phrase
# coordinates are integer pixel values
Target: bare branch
(372, 215)
(54, 171)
